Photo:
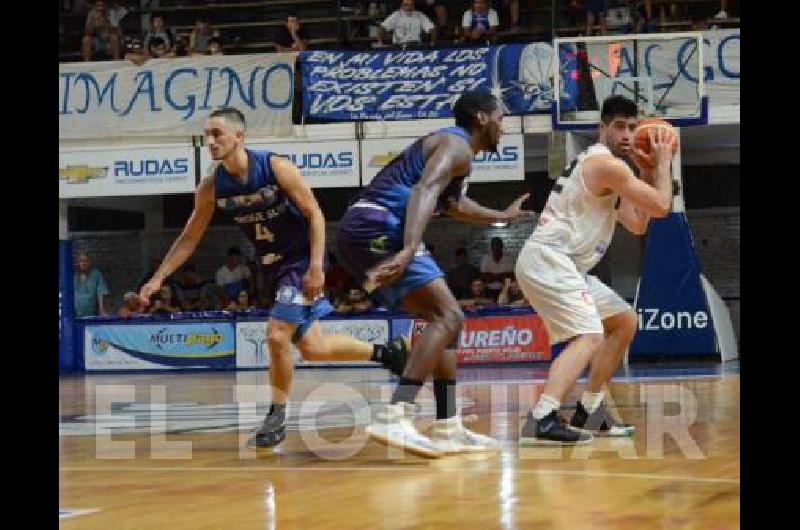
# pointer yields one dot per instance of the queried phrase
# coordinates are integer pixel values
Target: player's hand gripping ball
(646, 128)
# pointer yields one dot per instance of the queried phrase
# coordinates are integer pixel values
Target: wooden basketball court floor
(176, 456)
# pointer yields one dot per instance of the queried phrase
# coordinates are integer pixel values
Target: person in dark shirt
(460, 277)
(291, 37)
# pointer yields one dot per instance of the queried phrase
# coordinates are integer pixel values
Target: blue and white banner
(126, 171)
(159, 346)
(252, 350)
(674, 316)
(722, 59)
(172, 97)
(412, 84)
(323, 164)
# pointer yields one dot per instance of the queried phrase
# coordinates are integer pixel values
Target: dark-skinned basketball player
(379, 241)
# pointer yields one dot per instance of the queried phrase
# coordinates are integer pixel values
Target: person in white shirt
(407, 25)
(496, 267)
(595, 192)
(233, 276)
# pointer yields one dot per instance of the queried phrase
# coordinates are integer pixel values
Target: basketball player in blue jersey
(265, 195)
(380, 243)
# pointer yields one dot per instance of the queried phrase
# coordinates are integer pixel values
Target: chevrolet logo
(82, 173)
(382, 160)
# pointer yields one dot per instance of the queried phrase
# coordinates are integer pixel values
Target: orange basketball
(641, 138)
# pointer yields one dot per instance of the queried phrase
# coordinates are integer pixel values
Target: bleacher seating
(249, 27)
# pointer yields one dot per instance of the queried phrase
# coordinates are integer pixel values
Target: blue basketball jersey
(263, 211)
(392, 185)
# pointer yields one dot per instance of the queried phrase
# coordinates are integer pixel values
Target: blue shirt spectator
(90, 288)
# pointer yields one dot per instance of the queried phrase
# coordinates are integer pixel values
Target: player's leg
(365, 237)
(315, 345)
(448, 430)
(421, 283)
(281, 370)
(559, 294)
(619, 325)
(289, 312)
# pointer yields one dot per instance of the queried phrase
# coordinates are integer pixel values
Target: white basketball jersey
(575, 221)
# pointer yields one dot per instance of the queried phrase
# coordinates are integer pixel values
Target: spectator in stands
(511, 294)
(233, 276)
(596, 15)
(355, 301)
(436, 10)
(214, 46)
(189, 289)
(158, 49)
(479, 24)
(130, 305)
(241, 302)
(90, 289)
(496, 267)
(512, 7)
(181, 48)
(100, 36)
(201, 35)
(134, 52)
(291, 37)
(165, 303)
(407, 25)
(211, 297)
(158, 30)
(477, 296)
(460, 277)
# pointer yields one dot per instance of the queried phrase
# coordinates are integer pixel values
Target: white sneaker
(452, 437)
(393, 426)
(721, 15)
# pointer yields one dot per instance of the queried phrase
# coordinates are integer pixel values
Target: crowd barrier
(222, 340)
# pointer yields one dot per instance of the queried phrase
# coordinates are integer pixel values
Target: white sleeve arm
(494, 21)
(390, 22)
(427, 25)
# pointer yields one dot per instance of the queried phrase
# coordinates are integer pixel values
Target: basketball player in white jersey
(596, 191)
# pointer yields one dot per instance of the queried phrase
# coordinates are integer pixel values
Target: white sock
(592, 401)
(545, 406)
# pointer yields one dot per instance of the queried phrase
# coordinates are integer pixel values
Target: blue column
(66, 308)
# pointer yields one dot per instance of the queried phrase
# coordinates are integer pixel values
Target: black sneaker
(271, 433)
(395, 355)
(551, 430)
(600, 422)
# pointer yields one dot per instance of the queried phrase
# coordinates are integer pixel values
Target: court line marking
(67, 513)
(393, 469)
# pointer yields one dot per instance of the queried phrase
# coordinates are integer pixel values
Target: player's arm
(655, 200)
(465, 209)
(300, 193)
(450, 157)
(633, 219)
(186, 243)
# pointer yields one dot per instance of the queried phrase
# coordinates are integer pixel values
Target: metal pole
(339, 23)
